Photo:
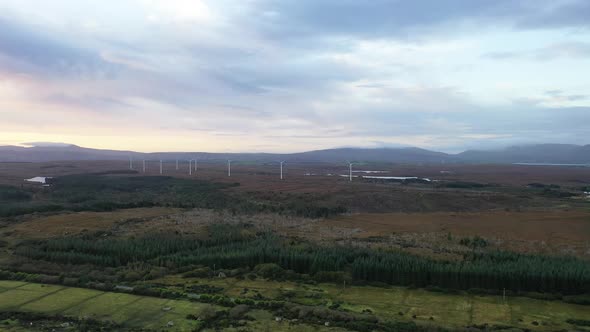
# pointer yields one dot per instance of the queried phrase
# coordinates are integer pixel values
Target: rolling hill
(541, 153)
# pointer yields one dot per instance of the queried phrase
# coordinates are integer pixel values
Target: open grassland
(451, 311)
(125, 309)
(128, 311)
(550, 232)
(403, 304)
(80, 222)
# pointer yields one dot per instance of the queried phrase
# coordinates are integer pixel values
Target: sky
(294, 75)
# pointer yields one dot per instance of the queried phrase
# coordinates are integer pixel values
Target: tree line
(228, 247)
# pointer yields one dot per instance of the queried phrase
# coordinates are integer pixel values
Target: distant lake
(38, 179)
(550, 164)
(401, 178)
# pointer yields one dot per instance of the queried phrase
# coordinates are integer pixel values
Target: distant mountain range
(541, 153)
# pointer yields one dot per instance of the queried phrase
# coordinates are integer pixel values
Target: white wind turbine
(228, 167)
(350, 171)
(196, 165)
(190, 167)
(282, 162)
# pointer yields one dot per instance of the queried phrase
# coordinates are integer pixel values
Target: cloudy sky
(292, 75)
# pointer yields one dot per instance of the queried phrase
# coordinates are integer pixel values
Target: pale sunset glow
(286, 76)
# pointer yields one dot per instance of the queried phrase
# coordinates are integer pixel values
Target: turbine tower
(190, 167)
(196, 165)
(177, 164)
(228, 167)
(144, 165)
(282, 162)
(130, 162)
(161, 166)
(350, 171)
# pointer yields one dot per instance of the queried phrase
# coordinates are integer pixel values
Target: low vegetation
(108, 192)
(231, 247)
(213, 268)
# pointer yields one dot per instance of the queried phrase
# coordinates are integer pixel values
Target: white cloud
(223, 71)
(184, 11)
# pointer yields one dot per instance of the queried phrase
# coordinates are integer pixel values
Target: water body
(369, 172)
(38, 179)
(399, 178)
(550, 164)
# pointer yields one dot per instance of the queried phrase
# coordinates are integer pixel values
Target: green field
(125, 309)
(402, 304)
(130, 311)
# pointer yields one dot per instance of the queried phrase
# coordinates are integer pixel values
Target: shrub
(269, 270)
(579, 322)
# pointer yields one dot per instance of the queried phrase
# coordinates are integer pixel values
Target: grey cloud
(547, 53)
(315, 20)
(568, 14)
(374, 18)
(34, 49)
(560, 95)
(568, 49)
(553, 92)
(576, 97)
(501, 55)
(86, 101)
(286, 74)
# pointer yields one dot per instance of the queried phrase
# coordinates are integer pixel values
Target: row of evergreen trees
(229, 248)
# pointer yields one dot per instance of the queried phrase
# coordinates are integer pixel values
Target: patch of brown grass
(79, 222)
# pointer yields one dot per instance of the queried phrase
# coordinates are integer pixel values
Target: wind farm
(286, 166)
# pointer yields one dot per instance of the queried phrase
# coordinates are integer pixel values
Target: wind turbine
(177, 164)
(130, 162)
(228, 167)
(196, 165)
(282, 162)
(161, 166)
(190, 167)
(350, 171)
(144, 165)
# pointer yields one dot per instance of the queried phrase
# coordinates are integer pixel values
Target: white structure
(229, 167)
(282, 162)
(350, 172)
(190, 167)
(196, 165)
(144, 165)
(161, 170)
